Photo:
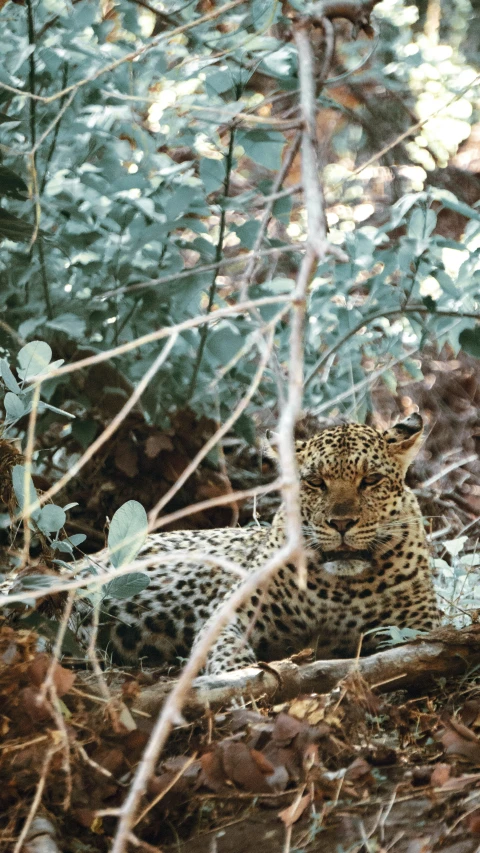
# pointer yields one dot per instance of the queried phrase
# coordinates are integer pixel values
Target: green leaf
(49, 628)
(455, 546)
(4, 118)
(77, 538)
(12, 185)
(15, 229)
(263, 146)
(13, 406)
(469, 340)
(8, 377)
(84, 432)
(51, 519)
(449, 200)
(127, 586)
(246, 429)
(42, 406)
(224, 343)
(212, 174)
(22, 487)
(34, 358)
(128, 531)
(26, 328)
(264, 13)
(218, 82)
(71, 324)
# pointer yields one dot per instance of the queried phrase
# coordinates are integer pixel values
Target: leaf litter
(355, 770)
(343, 769)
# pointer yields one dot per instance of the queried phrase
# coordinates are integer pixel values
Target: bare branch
(220, 500)
(139, 565)
(170, 714)
(215, 438)
(165, 332)
(225, 262)
(286, 166)
(114, 424)
(312, 189)
(444, 652)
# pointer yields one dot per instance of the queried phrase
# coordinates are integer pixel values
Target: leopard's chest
(331, 614)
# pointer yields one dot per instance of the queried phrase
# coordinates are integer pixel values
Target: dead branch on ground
(444, 652)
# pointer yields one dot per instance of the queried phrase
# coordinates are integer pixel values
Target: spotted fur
(368, 564)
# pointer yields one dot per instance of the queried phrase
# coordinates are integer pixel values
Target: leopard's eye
(371, 480)
(317, 483)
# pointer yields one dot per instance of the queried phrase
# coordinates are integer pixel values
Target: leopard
(368, 565)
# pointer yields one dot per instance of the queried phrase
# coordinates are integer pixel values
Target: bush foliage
(149, 153)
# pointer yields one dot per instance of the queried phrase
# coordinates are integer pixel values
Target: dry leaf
(156, 443)
(459, 741)
(441, 773)
(292, 813)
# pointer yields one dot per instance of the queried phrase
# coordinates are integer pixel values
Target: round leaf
(51, 519)
(127, 586)
(128, 531)
(34, 358)
(13, 406)
(469, 340)
(23, 486)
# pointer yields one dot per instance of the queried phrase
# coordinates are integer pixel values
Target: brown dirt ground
(346, 772)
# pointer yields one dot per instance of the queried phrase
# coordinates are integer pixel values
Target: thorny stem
(218, 255)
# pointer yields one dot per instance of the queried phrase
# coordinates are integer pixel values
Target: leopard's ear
(270, 446)
(404, 439)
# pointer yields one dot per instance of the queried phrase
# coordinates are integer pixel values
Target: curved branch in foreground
(444, 652)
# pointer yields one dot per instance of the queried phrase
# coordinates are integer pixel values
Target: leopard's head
(354, 497)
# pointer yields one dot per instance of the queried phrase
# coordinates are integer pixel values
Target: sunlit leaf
(127, 533)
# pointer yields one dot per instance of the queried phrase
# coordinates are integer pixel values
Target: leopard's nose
(342, 524)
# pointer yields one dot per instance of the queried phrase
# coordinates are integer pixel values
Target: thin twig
(128, 57)
(473, 457)
(412, 129)
(170, 714)
(168, 331)
(394, 312)
(36, 799)
(139, 565)
(286, 166)
(313, 193)
(167, 788)
(218, 255)
(194, 271)
(27, 473)
(215, 438)
(76, 467)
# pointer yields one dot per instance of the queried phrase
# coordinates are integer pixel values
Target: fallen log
(444, 652)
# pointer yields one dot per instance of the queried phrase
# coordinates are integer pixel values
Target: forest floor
(355, 769)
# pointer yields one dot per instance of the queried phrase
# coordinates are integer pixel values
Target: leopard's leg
(231, 650)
